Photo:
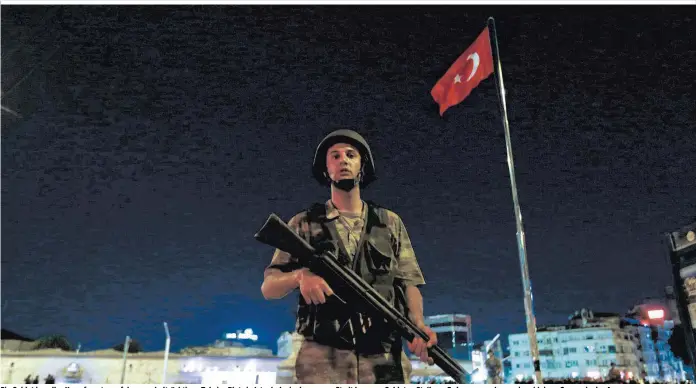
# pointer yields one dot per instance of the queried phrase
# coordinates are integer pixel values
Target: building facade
(658, 361)
(573, 353)
(590, 343)
(585, 348)
(651, 324)
(453, 334)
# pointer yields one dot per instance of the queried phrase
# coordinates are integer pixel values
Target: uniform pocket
(379, 253)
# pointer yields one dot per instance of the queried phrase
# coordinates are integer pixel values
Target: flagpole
(521, 245)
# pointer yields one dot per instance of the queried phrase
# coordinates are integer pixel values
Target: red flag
(472, 67)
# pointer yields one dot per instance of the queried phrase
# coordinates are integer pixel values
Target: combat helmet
(344, 136)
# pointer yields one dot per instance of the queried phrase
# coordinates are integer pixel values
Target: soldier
(340, 345)
(614, 373)
(494, 367)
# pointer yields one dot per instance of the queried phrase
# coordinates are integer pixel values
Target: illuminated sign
(656, 314)
(247, 334)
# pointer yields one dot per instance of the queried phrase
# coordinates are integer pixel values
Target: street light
(490, 344)
(166, 353)
(125, 358)
(656, 315)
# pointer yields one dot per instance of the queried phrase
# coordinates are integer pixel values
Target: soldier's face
(342, 162)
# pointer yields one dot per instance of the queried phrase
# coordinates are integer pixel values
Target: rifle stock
(278, 234)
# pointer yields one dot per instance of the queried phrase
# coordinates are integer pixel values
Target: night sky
(152, 143)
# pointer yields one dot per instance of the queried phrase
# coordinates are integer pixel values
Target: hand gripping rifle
(278, 235)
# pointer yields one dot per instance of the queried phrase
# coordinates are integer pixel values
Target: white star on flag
(457, 79)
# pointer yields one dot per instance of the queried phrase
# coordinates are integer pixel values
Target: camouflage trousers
(321, 364)
(494, 380)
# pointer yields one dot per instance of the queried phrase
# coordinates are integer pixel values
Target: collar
(332, 213)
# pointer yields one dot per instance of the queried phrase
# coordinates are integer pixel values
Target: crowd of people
(35, 380)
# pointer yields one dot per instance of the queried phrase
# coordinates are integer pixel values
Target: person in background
(493, 367)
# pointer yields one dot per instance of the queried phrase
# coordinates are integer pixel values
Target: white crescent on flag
(475, 58)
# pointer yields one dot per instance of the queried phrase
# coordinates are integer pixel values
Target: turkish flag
(472, 67)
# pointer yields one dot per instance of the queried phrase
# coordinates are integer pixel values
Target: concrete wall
(97, 369)
(16, 345)
(105, 367)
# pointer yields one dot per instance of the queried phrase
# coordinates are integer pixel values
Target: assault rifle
(277, 234)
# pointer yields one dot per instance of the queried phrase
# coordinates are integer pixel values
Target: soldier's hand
(313, 288)
(420, 348)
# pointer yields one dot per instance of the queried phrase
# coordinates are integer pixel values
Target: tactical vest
(337, 325)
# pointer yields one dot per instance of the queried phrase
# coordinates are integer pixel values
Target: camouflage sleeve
(407, 269)
(282, 261)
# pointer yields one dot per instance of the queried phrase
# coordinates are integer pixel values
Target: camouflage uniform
(494, 367)
(329, 363)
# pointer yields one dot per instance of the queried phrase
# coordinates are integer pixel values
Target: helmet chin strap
(347, 184)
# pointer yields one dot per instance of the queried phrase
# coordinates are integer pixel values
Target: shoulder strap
(316, 212)
(378, 210)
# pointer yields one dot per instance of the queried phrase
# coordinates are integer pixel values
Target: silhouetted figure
(28, 380)
(36, 380)
(614, 374)
(50, 379)
(493, 367)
